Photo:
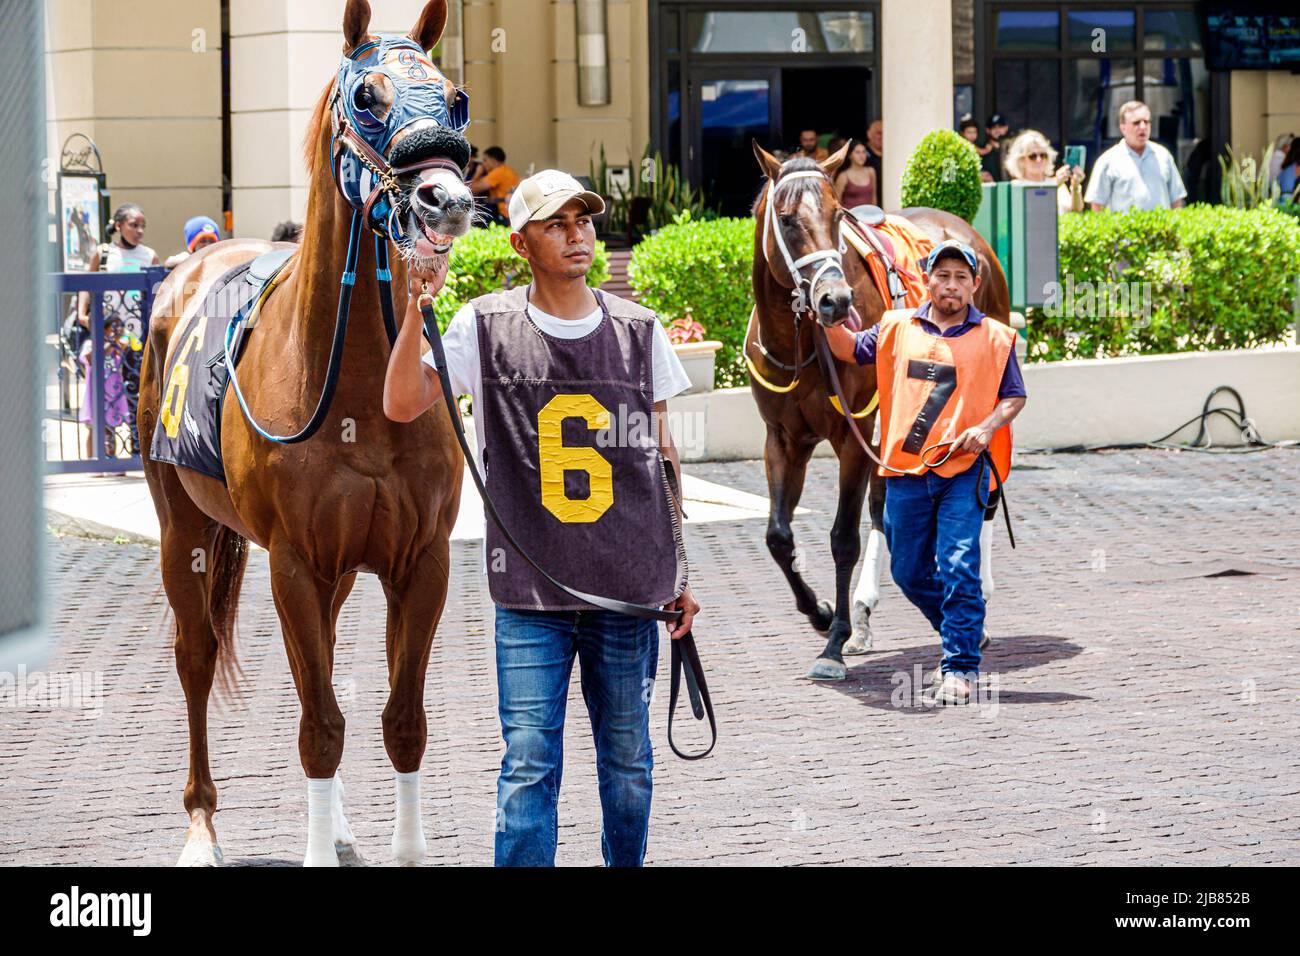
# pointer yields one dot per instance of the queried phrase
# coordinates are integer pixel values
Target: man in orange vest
(944, 375)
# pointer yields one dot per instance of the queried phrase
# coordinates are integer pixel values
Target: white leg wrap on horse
(409, 845)
(986, 560)
(320, 823)
(342, 832)
(868, 590)
(866, 595)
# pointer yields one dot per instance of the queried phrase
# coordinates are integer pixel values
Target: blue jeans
(618, 656)
(932, 526)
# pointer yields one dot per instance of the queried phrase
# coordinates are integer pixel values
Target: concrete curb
(61, 523)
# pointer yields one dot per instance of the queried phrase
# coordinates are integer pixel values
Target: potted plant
(697, 353)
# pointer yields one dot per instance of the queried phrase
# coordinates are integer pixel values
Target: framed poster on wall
(81, 226)
(82, 202)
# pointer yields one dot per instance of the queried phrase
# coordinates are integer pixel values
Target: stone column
(142, 78)
(916, 80)
(283, 56)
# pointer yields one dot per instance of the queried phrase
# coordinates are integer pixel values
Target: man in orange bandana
(944, 374)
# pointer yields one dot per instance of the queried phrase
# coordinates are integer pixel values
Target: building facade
(200, 106)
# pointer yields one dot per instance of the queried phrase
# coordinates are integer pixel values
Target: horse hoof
(409, 849)
(857, 644)
(826, 669)
(986, 640)
(200, 843)
(825, 614)
(861, 642)
(348, 855)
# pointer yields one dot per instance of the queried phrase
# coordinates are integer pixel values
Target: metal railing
(80, 394)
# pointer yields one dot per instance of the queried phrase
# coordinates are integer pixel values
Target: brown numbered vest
(572, 458)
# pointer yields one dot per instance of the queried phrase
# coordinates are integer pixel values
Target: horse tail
(229, 558)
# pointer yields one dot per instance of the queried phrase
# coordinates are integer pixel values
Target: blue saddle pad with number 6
(188, 432)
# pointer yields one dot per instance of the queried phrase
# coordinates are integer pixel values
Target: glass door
(732, 107)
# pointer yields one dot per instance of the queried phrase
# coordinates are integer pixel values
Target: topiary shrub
(1169, 280)
(482, 261)
(703, 267)
(943, 173)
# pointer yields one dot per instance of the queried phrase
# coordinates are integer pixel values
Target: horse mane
(798, 164)
(311, 140)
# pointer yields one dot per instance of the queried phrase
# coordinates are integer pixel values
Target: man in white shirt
(1135, 173)
(553, 367)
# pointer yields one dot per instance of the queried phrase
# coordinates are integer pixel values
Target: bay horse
(363, 494)
(805, 219)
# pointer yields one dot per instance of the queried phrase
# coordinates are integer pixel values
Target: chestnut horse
(363, 494)
(806, 219)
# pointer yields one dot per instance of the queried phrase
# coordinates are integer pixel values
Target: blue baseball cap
(951, 247)
(198, 227)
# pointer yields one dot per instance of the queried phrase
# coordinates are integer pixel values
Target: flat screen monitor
(1251, 36)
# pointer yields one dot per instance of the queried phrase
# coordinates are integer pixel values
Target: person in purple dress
(123, 330)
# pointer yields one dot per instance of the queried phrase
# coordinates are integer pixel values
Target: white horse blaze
(409, 845)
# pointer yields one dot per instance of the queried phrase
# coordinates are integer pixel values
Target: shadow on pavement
(893, 679)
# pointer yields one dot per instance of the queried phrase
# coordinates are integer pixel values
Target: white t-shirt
(460, 342)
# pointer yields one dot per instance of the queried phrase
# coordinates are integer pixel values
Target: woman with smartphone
(1030, 160)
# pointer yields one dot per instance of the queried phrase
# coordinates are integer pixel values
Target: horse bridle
(802, 293)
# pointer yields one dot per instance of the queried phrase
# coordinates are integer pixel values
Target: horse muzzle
(833, 303)
(442, 209)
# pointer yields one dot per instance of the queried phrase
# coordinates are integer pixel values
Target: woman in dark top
(856, 183)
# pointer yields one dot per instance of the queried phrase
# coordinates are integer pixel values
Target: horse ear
(428, 29)
(770, 165)
(831, 164)
(356, 23)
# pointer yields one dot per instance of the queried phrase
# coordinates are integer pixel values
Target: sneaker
(953, 690)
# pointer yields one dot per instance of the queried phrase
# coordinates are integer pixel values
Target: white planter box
(1088, 402)
(698, 358)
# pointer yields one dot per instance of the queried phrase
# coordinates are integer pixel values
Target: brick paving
(1145, 657)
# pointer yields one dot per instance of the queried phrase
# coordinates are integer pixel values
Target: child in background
(199, 232)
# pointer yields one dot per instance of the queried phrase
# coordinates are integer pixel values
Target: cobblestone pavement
(1145, 657)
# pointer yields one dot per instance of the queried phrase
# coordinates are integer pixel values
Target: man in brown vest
(570, 390)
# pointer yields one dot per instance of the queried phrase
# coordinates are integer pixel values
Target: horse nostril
(433, 195)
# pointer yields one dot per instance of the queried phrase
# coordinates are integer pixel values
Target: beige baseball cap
(541, 194)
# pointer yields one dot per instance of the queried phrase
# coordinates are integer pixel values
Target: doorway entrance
(727, 73)
(734, 106)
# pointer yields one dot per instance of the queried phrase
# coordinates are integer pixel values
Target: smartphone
(1076, 156)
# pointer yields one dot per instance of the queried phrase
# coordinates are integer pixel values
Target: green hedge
(482, 261)
(704, 267)
(1204, 277)
(943, 172)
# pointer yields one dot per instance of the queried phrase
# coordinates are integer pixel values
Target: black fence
(91, 372)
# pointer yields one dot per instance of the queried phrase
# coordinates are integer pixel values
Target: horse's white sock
(320, 824)
(409, 845)
(868, 590)
(986, 560)
(342, 833)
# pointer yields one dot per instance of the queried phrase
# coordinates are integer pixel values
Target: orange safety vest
(933, 388)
